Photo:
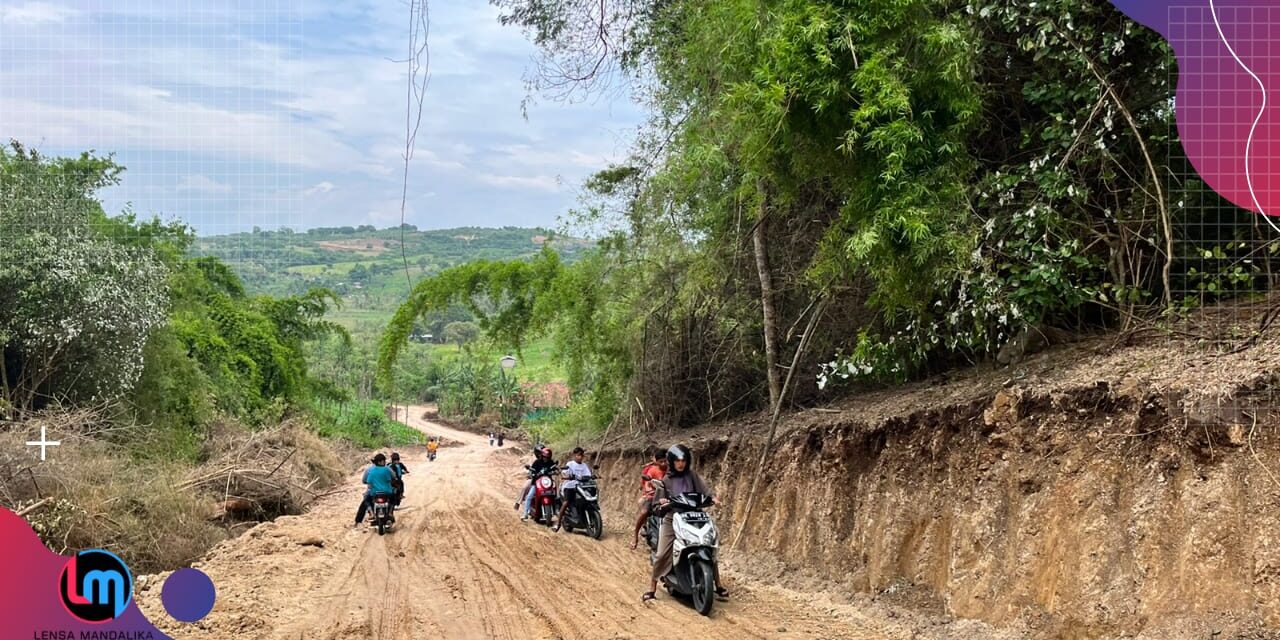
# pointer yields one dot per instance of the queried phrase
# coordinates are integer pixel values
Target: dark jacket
(687, 482)
(540, 465)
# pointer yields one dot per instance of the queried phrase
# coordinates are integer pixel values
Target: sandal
(722, 592)
(647, 596)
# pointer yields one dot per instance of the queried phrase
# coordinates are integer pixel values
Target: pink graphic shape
(1228, 95)
(30, 602)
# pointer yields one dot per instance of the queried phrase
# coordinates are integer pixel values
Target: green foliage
(461, 333)
(251, 349)
(103, 309)
(75, 308)
(939, 174)
(363, 423)
(286, 263)
(502, 295)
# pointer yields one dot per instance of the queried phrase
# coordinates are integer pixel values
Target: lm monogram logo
(96, 586)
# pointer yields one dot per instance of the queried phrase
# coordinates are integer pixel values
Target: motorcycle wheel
(382, 527)
(704, 587)
(546, 515)
(595, 528)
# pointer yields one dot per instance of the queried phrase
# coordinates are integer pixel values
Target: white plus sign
(43, 443)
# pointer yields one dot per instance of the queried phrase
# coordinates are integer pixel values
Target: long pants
(666, 538)
(528, 498)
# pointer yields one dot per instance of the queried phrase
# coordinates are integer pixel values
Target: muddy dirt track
(461, 565)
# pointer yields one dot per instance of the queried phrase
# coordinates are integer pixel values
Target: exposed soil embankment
(1083, 495)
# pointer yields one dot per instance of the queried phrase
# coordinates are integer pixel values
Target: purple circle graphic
(188, 595)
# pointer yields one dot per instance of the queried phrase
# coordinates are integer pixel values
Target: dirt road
(461, 565)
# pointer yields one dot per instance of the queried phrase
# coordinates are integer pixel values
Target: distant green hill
(366, 265)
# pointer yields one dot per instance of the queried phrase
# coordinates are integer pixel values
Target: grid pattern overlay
(1226, 253)
(192, 97)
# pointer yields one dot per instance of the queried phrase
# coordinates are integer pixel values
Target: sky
(230, 114)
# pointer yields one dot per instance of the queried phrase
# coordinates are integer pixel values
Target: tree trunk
(759, 238)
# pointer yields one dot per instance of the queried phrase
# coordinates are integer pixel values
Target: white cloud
(550, 184)
(195, 88)
(320, 188)
(203, 184)
(34, 13)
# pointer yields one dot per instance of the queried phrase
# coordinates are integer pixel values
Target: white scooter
(693, 552)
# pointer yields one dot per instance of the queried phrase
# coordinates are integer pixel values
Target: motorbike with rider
(579, 498)
(543, 466)
(380, 495)
(685, 560)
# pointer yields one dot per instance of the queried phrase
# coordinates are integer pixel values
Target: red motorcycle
(545, 500)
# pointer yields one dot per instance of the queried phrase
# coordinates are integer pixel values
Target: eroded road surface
(461, 565)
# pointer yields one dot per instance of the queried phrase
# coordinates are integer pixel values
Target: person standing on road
(681, 478)
(501, 436)
(655, 470)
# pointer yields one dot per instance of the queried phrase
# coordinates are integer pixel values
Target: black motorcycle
(584, 512)
(383, 512)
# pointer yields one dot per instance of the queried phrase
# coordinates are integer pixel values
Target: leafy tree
(461, 333)
(76, 309)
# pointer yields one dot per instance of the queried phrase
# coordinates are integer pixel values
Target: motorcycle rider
(542, 461)
(400, 472)
(681, 478)
(433, 445)
(655, 470)
(576, 470)
(379, 478)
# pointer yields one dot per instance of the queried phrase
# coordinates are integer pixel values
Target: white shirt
(576, 470)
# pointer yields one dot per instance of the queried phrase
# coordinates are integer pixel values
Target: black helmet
(679, 452)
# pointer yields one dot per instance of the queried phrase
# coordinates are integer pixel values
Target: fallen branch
(40, 503)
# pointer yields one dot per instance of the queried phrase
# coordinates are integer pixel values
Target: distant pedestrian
(501, 436)
(491, 438)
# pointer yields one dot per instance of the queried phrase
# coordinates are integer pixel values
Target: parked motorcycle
(693, 553)
(383, 516)
(545, 501)
(584, 512)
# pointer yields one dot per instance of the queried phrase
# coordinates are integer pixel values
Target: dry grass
(91, 493)
(101, 497)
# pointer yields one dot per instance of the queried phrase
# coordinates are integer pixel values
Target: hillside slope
(1091, 492)
(367, 265)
